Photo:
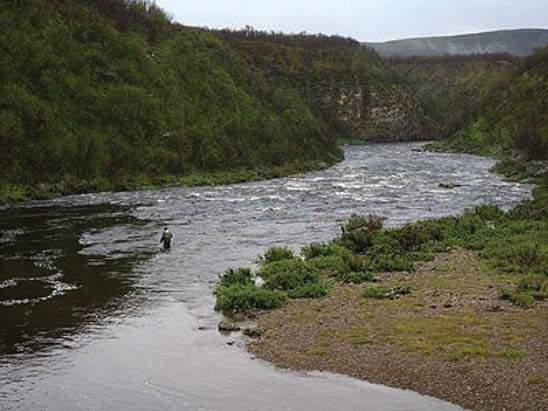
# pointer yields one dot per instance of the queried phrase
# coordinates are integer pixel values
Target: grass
(357, 337)
(536, 379)
(513, 354)
(455, 338)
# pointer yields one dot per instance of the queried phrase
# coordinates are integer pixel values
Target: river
(94, 316)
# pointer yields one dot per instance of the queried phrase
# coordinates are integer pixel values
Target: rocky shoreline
(452, 337)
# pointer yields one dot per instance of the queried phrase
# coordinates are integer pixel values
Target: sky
(364, 20)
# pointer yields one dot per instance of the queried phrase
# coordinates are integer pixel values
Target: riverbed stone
(228, 326)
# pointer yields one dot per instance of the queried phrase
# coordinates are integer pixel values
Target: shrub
(388, 262)
(238, 297)
(369, 223)
(288, 274)
(528, 256)
(356, 277)
(359, 232)
(534, 285)
(411, 237)
(277, 254)
(469, 223)
(322, 250)
(332, 266)
(522, 300)
(489, 212)
(358, 240)
(239, 276)
(348, 269)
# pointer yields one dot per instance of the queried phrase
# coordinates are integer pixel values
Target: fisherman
(166, 238)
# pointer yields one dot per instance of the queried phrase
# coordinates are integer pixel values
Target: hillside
(357, 90)
(451, 88)
(111, 94)
(513, 117)
(516, 42)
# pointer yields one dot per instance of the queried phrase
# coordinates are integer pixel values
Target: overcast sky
(366, 20)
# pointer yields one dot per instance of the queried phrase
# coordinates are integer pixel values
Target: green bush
(489, 212)
(358, 240)
(332, 266)
(241, 276)
(534, 285)
(356, 277)
(238, 297)
(388, 262)
(277, 254)
(411, 237)
(523, 300)
(288, 275)
(314, 250)
(369, 223)
(359, 233)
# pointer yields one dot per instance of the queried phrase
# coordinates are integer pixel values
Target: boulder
(228, 326)
(449, 185)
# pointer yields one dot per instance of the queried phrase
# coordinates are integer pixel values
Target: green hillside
(451, 88)
(109, 94)
(513, 117)
(351, 86)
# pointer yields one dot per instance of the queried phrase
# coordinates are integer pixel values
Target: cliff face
(353, 88)
(380, 112)
(391, 113)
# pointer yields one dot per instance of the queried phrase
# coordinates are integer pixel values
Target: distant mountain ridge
(520, 42)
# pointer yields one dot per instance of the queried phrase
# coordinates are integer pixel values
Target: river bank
(452, 338)
(468, 326)
(10, 194)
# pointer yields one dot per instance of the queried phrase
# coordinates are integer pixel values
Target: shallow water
(94, 316)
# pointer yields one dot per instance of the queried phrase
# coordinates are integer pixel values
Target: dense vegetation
(111, 94)
(514, 115)
(346, 83)
(452, 89)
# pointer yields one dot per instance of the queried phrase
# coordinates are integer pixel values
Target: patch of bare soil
(450, 338)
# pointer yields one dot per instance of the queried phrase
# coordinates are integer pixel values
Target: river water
(93, 316)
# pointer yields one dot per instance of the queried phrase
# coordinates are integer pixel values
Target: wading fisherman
(166, 239)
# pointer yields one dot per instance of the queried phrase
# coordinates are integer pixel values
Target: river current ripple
(94, 316)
